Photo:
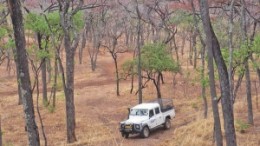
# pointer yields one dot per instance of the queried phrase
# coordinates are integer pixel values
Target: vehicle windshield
(138, 112)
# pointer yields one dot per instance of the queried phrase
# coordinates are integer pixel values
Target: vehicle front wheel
(167, 124)
(125, 135)
(145, 132)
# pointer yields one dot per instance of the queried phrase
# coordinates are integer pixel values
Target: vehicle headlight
(122, 126)
(137, 126)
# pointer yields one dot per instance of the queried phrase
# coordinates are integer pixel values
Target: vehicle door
(159, 116)
(152, 119)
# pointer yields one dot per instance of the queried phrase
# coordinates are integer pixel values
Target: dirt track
(98, 109)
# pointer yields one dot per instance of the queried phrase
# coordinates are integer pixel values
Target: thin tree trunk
(230, 44)
(43, 69)
(18, 84)
(191, 51)
(203, 84)
(139, 68)
(206, 20)
(176, 49)
(194, 42)
(247, 71)
(83, 45)
(37, 105)
(117, 73)
(249, 96)
(239, 81)
(55, 82)
(256, 96)
(49, 69)
(17, 77)
(1, 141)
(24, 77)
(183, 45)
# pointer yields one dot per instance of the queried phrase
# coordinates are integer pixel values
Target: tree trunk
(18, 84)
(69, 91)
(24, 77)
(194, 40)
(83, 45)
(139, 68)
(17, 77)
(1, 141)
(256, 96)
(225, 94)
(230, 44)
(55, 81)
(158, 86)
(223, 75)
(206, 21)
(43, 69)
(203, 84)
(247, 71)
(117, 74)
(70, 44)
(249, 96)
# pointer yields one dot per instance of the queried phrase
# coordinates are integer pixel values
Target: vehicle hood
(136, 119)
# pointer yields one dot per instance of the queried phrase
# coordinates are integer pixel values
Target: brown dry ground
(99, 111)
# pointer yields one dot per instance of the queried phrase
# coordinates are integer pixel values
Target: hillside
(99, 110)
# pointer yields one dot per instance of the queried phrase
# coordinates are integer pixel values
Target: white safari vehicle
(144, 117)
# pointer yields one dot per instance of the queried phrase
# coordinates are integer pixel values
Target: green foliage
(256, 45)
(182, 18)
(128, 67)
(41, 54)
(78, 20)
(8, 144)
(156, 58)
(36, 23)
(10, 43)
(3, 32)
(241, 126)
(51, 108)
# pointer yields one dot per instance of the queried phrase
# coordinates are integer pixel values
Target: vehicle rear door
(159, 116)
(152, 119)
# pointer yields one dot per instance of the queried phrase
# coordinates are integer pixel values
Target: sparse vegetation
(241, 126)
(76, 50)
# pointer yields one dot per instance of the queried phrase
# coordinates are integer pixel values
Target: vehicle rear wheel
(145, 132)
(167, 124)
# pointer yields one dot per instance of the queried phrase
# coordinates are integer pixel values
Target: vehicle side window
(151, 113)
(157, 110)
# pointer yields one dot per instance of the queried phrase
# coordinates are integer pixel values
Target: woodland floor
(99, 110)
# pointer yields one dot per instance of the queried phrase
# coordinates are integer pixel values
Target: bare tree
(24, 76)
(217, 125)
(203, 49)
(213, 46)
(67, 10)
(114, 33)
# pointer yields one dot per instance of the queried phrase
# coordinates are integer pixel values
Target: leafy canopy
(156, 58)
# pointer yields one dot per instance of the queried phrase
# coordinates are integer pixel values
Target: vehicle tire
(145, 132)
(125, 135)
(167, 124)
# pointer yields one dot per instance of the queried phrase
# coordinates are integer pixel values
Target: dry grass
(99, 110)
